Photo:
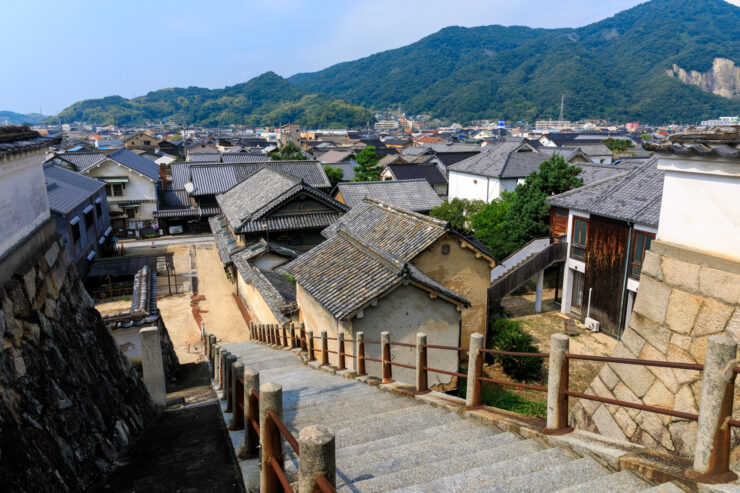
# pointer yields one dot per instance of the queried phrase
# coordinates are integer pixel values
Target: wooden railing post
(385, 349)
(473, 397)
(557, 385)
(285, 334)
(713, 437)
(302, 335)
(272, 335)
(214, 363)
(341, 364)
(237, 396)
(271, 399)
(291, 332)
(309, 343)
(422, 383)
(248, 450)
(360, 353)
(203, 332)
(318, 458)
(324, 348)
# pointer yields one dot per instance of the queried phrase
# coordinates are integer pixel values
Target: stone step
(339, 410)
(427, 473)
(353, 461)
(410, 457)
(451, 466)
(389, 424)
(500, 472)
(622, 481)
(451, 429)
(548, 479)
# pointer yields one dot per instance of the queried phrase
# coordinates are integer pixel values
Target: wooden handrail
(641, 362)
(281, 475)
(538, 388)
(284, 431)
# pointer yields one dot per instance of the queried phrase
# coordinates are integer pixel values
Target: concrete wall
(463, 273)
(685, 296)
(23, 198)
(258, 309)
(405, 312)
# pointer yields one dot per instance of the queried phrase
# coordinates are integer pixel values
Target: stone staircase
(389, 442)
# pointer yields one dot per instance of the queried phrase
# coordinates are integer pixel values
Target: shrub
(507, 335)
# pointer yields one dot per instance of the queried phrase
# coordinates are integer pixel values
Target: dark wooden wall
(606, 254)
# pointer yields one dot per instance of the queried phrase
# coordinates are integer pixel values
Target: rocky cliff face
(722, 79)
(69, 402)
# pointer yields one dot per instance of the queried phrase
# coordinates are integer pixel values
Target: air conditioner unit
(592, 325)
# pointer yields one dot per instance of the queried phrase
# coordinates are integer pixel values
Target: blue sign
(501, 123)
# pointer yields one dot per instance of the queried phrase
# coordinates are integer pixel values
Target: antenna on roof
(562, 105)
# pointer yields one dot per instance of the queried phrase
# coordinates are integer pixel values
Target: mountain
(15, 118)
(265, 100)
(632, 66)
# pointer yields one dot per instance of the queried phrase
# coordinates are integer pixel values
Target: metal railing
(711, 461)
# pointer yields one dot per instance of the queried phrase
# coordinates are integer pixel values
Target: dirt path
(223, 317)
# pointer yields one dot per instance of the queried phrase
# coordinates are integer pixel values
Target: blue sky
(61, 51)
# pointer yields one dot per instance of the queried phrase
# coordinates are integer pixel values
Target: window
(76, 232)
(147, 142)
(89, 219)
(445, 249)
(580, 235)
(114, 190)
(130, 212)
(640, 242)
(99, 210)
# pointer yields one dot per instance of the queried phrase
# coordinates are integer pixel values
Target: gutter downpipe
(624, 280)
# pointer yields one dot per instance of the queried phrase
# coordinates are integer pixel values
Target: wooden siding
(558, 223)
(606, 255)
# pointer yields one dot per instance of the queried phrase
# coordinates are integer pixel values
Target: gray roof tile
(67, 189)
(414, 195)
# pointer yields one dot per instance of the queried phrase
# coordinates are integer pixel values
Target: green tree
(367, 165)
(509, 223)
(459, 213)
(488, 225)
(618, 145)
(646, 136)
(335, 175)
(288, 152)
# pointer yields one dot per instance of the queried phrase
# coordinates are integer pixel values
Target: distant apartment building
(290, 133)
(723, 121)
(552, 124)
(386, 125)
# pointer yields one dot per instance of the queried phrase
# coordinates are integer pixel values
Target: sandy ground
(108, 307)
(223, 318)
(550, 321)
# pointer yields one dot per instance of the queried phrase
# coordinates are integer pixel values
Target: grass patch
(498, 397)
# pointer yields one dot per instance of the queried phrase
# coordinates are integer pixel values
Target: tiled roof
(135, 162)
(490, 161)
(347, 169)
(397, 231)
(335, 156)
(414, 195)
(522, 164)
(632, 196)
(247, 205)
(429, 172)
(593, 172)
(277, 291)
(263, 246)
(82, 160)
(226, 242)
(67, 189)
(345, 274)
(701, 141)
(204, 157)
(212, 179)
(15, 139)
(227, 157)
(173, 203)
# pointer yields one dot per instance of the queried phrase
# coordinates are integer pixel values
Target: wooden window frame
(637, 264)
(573, 244)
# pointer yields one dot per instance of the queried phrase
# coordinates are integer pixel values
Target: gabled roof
(213, 178)
(429, 172)
(491, 160)
(67, 189)
(277, 291)
(15, 139)
(247, 205)
(414, 195)
(345, 274)
(81, 161)
(140, 164)
(335, 156)
(522, 164)
(632, 196)
(348, 170)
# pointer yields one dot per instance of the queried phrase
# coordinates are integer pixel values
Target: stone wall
(69, 402)
(685, 297)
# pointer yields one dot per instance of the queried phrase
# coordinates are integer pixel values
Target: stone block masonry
(69, 401)
(685, 297)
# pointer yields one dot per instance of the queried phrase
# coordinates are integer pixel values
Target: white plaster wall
(701, 211)
(464, 186)
(23, 200)
(139, 187)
